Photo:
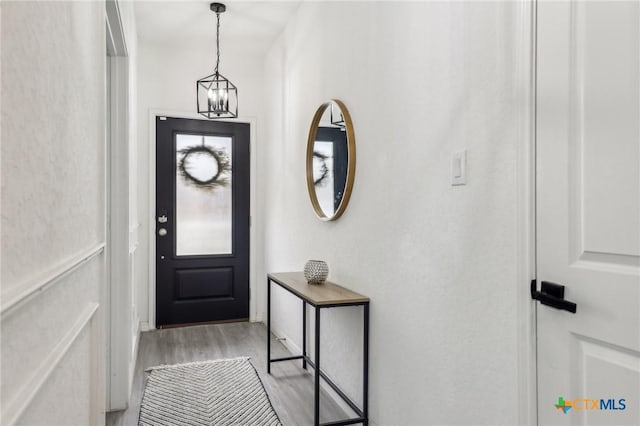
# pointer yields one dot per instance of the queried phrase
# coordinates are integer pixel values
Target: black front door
(202, 221)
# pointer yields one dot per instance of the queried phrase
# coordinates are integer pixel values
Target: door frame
(525, 87)
(151, 213)
(121, 345)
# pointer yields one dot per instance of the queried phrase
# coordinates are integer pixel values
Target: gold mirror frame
(351, 164)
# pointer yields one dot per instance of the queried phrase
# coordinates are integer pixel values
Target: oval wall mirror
(331, 160)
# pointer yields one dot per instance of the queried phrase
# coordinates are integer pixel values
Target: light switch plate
(459, 168)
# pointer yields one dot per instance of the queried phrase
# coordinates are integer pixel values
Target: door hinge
(250, 221)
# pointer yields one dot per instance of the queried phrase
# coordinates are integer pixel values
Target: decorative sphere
(316, 271)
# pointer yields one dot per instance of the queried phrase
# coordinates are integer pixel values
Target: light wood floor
(290, 388)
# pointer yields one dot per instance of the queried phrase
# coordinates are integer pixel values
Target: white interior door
(588, 211)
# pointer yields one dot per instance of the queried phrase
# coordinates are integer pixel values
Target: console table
(320, 296)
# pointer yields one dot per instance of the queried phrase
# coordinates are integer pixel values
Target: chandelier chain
(217, 42)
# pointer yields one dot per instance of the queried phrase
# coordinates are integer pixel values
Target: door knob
(552, 294)
(162, 232)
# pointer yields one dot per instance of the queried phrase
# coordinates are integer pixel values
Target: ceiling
(191, 21)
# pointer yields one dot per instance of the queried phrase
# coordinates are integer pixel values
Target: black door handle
(552, 294)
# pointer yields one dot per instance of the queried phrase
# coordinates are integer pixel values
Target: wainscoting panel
(52, 350)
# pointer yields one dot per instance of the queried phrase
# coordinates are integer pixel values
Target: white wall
(421, 80)
(166, 82)
(53, 198)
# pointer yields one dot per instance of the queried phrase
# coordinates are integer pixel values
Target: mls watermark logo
(588, 404)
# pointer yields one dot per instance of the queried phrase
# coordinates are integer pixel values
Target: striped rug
(221, 392)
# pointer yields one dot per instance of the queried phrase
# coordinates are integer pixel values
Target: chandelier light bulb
(218, 98)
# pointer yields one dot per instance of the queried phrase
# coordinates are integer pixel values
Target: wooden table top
(327, 293)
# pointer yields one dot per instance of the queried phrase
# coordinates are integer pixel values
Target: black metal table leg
(365, 362)
(304, 334)
(316, 391)
(268, 326)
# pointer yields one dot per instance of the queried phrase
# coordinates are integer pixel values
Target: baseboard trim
(16, 297)
(20, 402)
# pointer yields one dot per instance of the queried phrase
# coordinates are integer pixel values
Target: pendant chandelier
(217, 97)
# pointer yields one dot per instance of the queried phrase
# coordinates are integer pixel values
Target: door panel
(588, 210)
(202, 224)
(206, 282)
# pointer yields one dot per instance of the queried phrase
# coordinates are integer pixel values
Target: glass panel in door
(203, 195)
